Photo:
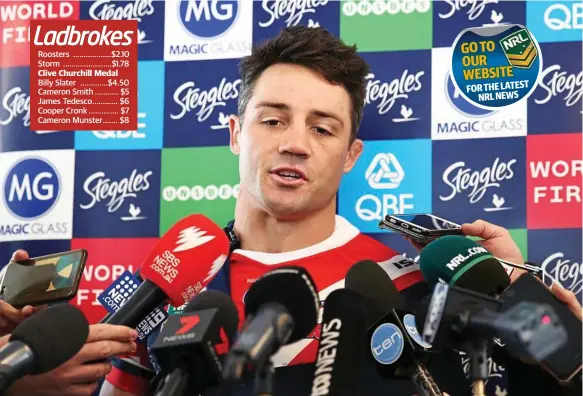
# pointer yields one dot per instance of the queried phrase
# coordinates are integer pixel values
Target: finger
(482, 229)
(8, 312)
(81, 389)
(20, 255)
(87, 373)
(29, 310)
(102, 331)
(100, 350)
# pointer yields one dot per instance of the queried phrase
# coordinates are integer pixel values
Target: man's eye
(322, 131)
(271, 123)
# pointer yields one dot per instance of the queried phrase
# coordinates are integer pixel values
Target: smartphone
(565, 362)
(45, 279)
(422, 227)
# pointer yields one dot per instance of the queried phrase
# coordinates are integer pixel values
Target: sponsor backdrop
(115, 192)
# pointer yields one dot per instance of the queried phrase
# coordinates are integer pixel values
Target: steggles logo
(293, 9)
(477, 7)
(16, 103)
(379, 7)
(190, 98)
(101, 188)
(555, 82)
(104, 10)
(556, 268)
(459, 179)
(386, 94)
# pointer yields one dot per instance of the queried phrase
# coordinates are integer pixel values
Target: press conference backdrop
(115, 192)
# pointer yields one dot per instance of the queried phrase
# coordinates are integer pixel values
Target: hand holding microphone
(181, 264)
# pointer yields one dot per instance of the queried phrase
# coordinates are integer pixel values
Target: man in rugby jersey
(300, 105)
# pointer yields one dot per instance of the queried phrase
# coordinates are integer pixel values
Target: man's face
(294, 144)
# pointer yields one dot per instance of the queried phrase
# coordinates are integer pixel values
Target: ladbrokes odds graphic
(472, 110)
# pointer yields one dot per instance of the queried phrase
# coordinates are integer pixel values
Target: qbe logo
(386, 344)
(207, 29)
(387, 179)
(555, 21)
(35, 194)
(453, 117)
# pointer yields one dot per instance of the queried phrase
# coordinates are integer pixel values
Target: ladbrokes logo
(386, 180)
(554, 185)
(202, 103)
(384, 95)
(207, 29)
(34, 194)
(199, 193)
(379, 7)
(101, 189)
(15, 20)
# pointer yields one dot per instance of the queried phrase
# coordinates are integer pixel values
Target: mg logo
(460, 104)
(384, 172)
(31, 188)
(208, 18)
(386, 344)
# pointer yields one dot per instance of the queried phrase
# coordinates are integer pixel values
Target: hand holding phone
(40, 280)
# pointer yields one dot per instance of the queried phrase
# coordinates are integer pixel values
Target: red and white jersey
(327, 262)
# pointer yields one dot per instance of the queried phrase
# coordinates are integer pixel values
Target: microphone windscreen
(461, 262)
(342, 346)
(186, 258)
(54, 335)
(227, 311)
(293, 288)
(370, 280)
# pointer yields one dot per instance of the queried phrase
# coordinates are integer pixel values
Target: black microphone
(341, 350)
(42, 343)
(281, 307)
(186, 348)
(394, 342)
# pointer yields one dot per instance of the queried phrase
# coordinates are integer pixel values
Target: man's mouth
(289, 175)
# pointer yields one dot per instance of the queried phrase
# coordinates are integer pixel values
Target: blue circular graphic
(411, 327)
(31, 188)
(496, 66)
(386, 343)
(208, 18)
(460, 103)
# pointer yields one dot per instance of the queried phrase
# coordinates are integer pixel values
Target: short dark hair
(316, 49)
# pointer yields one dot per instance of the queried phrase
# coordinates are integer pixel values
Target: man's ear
(234, 133)
(353, 153)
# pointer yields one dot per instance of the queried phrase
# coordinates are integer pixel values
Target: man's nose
(296, 140)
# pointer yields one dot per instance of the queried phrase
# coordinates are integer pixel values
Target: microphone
(188, 344)
(281, 307)
(396, 347)
(459, 261)
(42, 343)
(181, 264)
(341, 350)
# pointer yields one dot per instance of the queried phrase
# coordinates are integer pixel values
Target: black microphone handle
(424, 382)
(149, 297)
(174, 383)
(16, 359)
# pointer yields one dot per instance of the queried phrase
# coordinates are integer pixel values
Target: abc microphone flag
(181, 264)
